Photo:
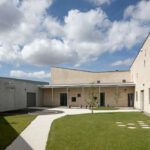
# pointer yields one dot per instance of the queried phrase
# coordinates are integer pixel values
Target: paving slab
(118, 122)
(146, 127)
(131, 127)
(131, 124)
(140, 121)
(121, 125)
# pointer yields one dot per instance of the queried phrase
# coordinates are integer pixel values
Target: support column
(99, 91)
(67, 97)
(52, 96)
(117, 94)
(83, 96)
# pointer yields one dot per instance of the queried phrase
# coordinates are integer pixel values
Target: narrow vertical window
(136, 96)
(149, 95)
(145, 52)
(144, 63)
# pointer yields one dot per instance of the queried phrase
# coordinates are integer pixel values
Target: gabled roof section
(140, 50)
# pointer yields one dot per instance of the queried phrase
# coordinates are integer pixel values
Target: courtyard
(105, 129)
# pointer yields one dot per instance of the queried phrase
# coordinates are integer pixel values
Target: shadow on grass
(30, 111)
(8, 134)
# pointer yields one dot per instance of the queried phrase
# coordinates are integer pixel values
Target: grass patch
(11, 127)
(105, 108)
(98, 132)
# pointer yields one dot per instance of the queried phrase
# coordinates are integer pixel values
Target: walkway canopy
(89, 85)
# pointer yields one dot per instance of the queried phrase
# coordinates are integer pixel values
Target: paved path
(34, 137)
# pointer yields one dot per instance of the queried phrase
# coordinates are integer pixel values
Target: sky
(93, 35)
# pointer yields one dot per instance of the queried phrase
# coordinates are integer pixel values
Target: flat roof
(88, 85)
(23, 80)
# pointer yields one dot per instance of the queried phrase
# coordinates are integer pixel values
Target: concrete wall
(69, 76)
(140, 73)
(13, 93)
(110, 96)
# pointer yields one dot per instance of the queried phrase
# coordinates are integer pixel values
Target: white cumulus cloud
(100, 2)
(126, 62)
(46, 51)
(37, 38)
(22, 74)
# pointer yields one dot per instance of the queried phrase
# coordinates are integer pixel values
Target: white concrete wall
(13, 93)
(140, 73)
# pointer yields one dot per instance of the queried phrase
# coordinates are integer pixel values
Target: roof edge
(89, 71)
(24, 80)
(139, 50)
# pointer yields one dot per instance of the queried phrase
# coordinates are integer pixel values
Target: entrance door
(63, 99)
(142, 100)
(102, 99)
(131, 100)
(31, 99)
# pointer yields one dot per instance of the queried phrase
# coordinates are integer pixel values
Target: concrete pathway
(34, 137)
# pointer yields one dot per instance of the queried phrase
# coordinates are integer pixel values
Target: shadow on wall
(8, 134)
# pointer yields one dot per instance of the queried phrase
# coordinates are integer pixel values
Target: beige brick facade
(110, 96)
(70, 76)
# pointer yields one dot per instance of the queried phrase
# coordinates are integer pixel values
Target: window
(149, 95)
(95, 98)
(136, 96)
(73, 99)
(98, 81)
(124, 81)
(79, 95)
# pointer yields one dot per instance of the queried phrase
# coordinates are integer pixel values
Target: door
(131, 100)
(102, 99)
(63, 99)
(142, 100)
(31, 99)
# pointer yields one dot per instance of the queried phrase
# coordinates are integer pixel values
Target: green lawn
(105, 108)
(99, 132)
(11, 127)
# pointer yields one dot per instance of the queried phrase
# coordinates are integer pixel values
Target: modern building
(71, 87)
(117, 88)
(129, 88)
(18, 94)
